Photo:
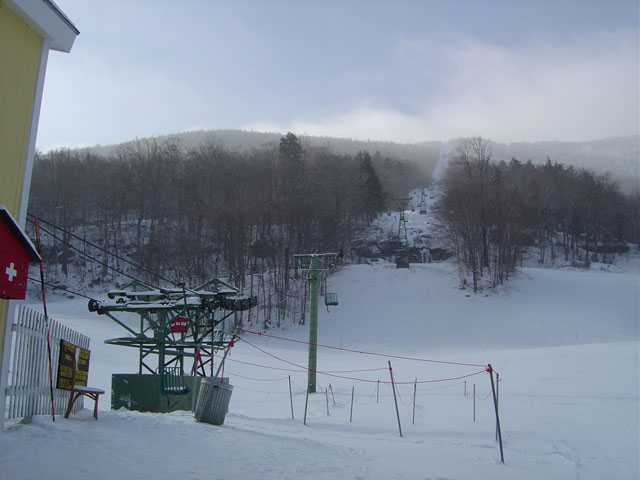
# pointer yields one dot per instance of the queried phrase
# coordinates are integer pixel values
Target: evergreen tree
(371, 193)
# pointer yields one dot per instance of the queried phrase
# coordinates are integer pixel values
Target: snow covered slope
(421, 308)
(565, 343)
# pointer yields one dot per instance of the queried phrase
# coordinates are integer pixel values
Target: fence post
(415, 387)
(495, 404)
(351, 414)
(306, 402)
(326, 396)
(497, 399)
(393, 387)
(291, 397)
(474, 403)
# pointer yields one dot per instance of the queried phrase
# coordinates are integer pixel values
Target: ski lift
(330, 299)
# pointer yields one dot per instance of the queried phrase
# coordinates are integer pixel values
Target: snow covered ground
(565, 343)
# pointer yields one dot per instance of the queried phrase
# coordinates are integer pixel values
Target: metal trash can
(213, 401)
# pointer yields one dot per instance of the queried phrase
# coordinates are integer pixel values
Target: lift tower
(316, 264)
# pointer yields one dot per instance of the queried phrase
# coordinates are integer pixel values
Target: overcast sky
(401, 70)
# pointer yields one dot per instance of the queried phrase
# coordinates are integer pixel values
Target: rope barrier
(355, 378)
(258, 391)
(259, 379)
(402, 401)
(304, 370)
(370, 399)
(483, 399)
(261, 334)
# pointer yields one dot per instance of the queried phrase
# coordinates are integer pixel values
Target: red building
(16, 253)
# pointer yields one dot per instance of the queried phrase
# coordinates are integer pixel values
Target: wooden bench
(77, 391)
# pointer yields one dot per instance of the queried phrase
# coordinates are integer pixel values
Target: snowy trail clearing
(564, 342)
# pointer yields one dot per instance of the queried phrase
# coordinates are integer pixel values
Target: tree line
(492, 211)
(189, 215)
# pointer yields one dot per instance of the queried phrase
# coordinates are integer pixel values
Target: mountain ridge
(617, 155)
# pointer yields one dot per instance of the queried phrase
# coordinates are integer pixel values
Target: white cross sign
(11, 271)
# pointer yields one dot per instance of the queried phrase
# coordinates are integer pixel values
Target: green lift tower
(317, 265)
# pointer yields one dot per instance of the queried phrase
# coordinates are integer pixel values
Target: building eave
(47, 20)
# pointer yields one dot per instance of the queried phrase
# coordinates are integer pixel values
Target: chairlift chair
(330, 299)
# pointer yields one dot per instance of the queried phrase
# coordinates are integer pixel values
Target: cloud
(584, 89)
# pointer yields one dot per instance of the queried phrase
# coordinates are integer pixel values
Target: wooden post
(306, 402)
(351, 414)
(415, 387)
(393, 387)
(495, 404)
(465, 389)
(291, 396)
(378, 392)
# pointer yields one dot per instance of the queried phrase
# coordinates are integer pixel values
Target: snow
(564, 341)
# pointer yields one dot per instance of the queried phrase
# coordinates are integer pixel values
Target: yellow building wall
(20, 51)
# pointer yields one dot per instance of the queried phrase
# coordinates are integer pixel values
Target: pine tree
(372, 194)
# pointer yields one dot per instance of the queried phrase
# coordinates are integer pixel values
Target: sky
(404, 70)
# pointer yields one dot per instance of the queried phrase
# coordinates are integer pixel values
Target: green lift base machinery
(177, 334)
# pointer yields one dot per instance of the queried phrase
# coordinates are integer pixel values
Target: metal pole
(351, 414)
(224, 357)
(291, 396)
(332, 396)
(326, 396)
(415, 387)
(474, 402)
(306, 402)
(378, 392)
(313, 323)
(495, 404)
(497, 398)
(393, 387)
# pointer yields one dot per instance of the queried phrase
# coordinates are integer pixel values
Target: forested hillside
(174, 215)
(493, 211)
(170, 214)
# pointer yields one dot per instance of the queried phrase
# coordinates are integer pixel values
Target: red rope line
(305, 370)
(362, 351)
(355, 378)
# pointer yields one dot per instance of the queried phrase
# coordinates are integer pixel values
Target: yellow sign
(72, 360)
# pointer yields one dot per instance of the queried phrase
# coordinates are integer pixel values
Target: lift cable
(104, 250)
(95, 259)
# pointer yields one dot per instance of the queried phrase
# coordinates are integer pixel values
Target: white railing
(28, 390)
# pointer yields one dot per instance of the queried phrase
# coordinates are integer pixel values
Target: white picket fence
(28, 390)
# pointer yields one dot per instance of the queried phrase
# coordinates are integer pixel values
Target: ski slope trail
(564, 342)
(421, 308)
